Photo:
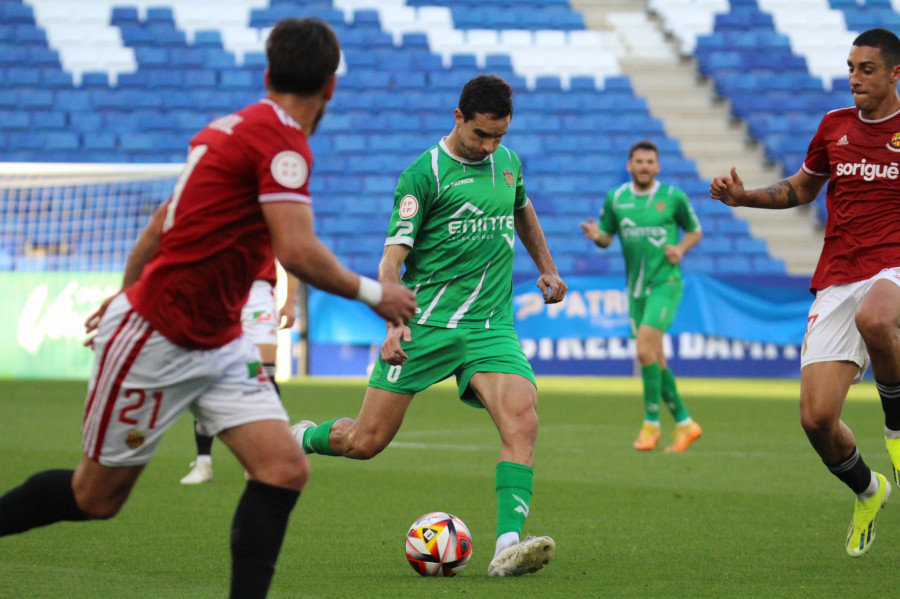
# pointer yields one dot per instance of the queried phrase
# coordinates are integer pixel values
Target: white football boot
(201, 472)
(524, 557)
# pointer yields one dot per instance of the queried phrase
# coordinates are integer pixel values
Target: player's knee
(816, 422)
(290, 473)
(877, 327)
(646, 354)
(523, 428)
(530, 422)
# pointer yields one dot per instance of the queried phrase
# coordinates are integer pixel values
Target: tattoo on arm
(779, 195)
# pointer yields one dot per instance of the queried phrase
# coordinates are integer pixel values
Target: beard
(317, 119)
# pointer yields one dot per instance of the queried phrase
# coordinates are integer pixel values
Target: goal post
(66, 230)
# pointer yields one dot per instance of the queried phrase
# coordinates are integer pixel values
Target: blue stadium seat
(20, 77)
(15, 13)
(54, 78)
(124, 15)
(207, 39)
(160, 15)
(27, 35)
(464, 61)
(366, 19)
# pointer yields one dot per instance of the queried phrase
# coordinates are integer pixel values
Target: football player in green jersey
(457, 211)
(647, 214)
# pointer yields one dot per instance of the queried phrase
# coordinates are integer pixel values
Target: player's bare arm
(389, 272)
(592, 231)
(800, 188)
(528, 228)
(288, 312)
(302, 254)
(145, 246)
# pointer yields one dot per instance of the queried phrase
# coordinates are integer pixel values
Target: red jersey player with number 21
(173, 340)
(855, 317)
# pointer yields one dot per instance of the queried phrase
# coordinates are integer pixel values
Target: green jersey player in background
(457, 211)
(647, 214)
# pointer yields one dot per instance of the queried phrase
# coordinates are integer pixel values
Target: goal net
(66, 231)
(77, 217)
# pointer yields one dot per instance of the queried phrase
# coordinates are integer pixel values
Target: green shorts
(437, 353)
(657, 308)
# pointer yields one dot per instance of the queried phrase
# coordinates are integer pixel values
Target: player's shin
(514, 484)
(853, 472)
(43, 499)
(257, 532)
(652, 379)
(671, 396)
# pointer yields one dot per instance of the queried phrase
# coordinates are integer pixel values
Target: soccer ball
(438, 544)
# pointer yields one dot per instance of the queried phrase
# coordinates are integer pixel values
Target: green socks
(672, 398)
(514, 484)
(315, 439)
(652, 378)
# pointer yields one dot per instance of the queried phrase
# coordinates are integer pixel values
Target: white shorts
(141, 383)
(831, 333)
(259, 317)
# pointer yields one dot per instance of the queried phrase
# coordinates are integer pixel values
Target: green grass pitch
(748, 511)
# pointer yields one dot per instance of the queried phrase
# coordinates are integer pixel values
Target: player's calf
(43, 499)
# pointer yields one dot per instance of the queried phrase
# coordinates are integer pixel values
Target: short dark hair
(644, 144)
(486, 94)
(884, 40)
(303, 54)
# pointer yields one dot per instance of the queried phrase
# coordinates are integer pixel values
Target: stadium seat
(405, 61)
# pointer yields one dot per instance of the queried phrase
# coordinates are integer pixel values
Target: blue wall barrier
(725, 327)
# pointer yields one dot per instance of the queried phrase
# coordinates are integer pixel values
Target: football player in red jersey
(172, 341)
(855, 317)
(260, 320)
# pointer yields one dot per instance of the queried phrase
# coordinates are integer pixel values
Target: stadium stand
(780, 64)
(132, 80)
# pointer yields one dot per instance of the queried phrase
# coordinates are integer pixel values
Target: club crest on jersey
(289, 169)
(135, 439)
(894, 144)
(508, 177)
(409, 205)
(660, 206)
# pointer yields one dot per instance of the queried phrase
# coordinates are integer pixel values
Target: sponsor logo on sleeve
(289, 169)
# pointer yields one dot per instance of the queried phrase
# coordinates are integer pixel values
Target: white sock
(204, 459)
(871, 489)
(889, 434)
(505, 540)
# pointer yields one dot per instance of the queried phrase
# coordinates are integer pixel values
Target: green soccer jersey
(457, 217)
(646, 223)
